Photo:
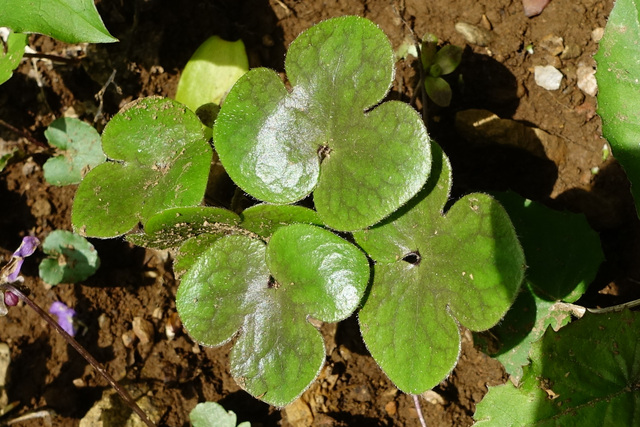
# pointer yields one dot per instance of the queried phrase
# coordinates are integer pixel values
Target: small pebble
(597, 34)
(474, 35)
(548, 77)
(587, 80)
(128, 338)
(143, 329)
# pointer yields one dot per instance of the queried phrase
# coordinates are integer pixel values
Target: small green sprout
(437, 63)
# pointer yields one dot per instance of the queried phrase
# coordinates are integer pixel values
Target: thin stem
(54, 58)
(21, 133)
(83, 352)
(416, 402)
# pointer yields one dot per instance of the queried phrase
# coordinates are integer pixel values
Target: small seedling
(81, 151)
(437, 63)
(212, 414)
(71, 258)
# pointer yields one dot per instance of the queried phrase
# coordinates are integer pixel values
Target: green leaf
(10, 58)
(172, 227)
(563, 252)
(82, 149)
(264, 294)
(160, 161)
(586, 374)
(619, 88)
(70, 21)
(211, 414)
(264, 219)
(280, 145)
(448, 58)
(434, 270)
(71, 258)
(214, 67)
(525, 322)
(438, 90)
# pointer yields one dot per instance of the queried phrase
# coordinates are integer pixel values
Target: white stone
(587, 80)
(548, 77)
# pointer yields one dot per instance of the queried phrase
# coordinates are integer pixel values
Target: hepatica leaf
(70, 258)
(619, 88)
(81, 147)
(585, 374)
(264, 293)
(434, 270)
(159, 159)
(326, 134)
(71, 21)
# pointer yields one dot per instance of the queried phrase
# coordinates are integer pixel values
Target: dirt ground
(156, 40)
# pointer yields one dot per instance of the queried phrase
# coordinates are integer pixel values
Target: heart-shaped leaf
(160, 161)
(80, 143)
(71, 21)
(267, 292)
(264, 219)
(433, 271)
(10, 58)
(279, 146)
(586, 374)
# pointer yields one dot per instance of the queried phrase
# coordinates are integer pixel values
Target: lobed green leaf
(264, 293)
(432, 271)
(281, 145)
(159, 159)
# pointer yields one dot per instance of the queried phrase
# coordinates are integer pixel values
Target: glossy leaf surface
(281, 145)
(434, 270)
(264, 294)
(159, 159)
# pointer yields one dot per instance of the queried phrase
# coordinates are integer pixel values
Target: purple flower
(27, 247)
(65, 316)
(11, 271)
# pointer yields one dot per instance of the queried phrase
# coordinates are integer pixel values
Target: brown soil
(156, 40)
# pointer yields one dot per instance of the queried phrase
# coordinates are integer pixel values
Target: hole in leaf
(323, 152)
(272, 283)
(412, 258)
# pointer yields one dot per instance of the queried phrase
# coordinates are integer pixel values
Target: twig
(416, 402)
(52, 58)
(22, 133)
(100, 94)
(83, 352)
